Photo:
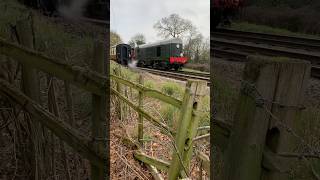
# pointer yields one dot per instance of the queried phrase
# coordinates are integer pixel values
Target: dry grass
(156, 143)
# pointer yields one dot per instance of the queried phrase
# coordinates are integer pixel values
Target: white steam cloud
(133, 64)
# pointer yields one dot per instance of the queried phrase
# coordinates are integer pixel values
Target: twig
(129, 165)
(201, 137)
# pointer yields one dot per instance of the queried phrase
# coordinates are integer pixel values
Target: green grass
(245, 26)
(172, 89)
(59, 40)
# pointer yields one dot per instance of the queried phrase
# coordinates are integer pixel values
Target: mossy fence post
(274, 84)
(188, 124)
(140, 121)
(117, 72)
(99, 118)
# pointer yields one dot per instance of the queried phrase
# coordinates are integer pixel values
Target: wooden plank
(144, 114)
(61, 129)
(80, 77)
(292, 81)
(205, 161)
(155, 173)
(149, 92)
(159, 164)
(99, 118)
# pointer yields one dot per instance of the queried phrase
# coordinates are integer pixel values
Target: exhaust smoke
(133, 64)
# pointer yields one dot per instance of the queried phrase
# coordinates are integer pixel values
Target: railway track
(180, 75)
(95, 21)
(242, 57)
(237, 45)
(276, 40)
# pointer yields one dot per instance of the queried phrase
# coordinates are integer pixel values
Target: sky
(129, 17)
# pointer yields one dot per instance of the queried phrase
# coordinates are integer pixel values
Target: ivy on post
(140, 121)
(188, 124)
(99, 119)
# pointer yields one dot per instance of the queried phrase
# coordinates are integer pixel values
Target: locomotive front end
(176, 58)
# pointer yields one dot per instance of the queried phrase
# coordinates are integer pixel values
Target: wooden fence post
(292, 82)
(188, 124)
(31, 87)
(140, 121)
(266, 80)
(99, 118)
(118, 87)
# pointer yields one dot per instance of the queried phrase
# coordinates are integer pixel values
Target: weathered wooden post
(140, 121)
(99, 118)
(286, 109)
(31, 87)
(118, 87)
(267, 81)
(188, 124)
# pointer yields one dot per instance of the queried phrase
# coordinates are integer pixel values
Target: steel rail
(242, 57)
(279, 40)
(176, 75)
(313, 57)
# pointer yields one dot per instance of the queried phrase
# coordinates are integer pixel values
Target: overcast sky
(129, 17)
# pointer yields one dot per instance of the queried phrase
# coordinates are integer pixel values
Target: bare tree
(137, 39)
(114, 38)
(173, 26)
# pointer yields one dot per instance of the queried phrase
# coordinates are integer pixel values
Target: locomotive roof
(167, 41)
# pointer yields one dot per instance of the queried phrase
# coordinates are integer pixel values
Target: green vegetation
(170, 115)
(250, 27)
(172, 89)
(293, 15)
(75, 42)
(193, 70)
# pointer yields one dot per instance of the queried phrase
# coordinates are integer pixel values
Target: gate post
(188, 124)
(267, 81)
